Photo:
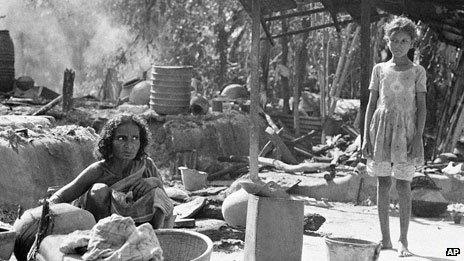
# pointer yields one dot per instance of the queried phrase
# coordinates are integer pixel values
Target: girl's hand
(154, 182)
(366, 148)
(140, 188)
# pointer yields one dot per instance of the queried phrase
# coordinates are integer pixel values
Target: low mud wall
(42, 156)
(210, 136)
(36, 158)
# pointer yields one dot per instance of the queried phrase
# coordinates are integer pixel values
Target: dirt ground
(428, 237)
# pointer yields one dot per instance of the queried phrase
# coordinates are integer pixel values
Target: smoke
(50, 36)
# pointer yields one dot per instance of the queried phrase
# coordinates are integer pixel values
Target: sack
(65, 219)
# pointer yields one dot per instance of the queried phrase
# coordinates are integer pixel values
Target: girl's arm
(78, 186)
(421, 113)
(371, 106)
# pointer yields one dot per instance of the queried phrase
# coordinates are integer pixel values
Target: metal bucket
(170, 92)
(193, 179)
(351, 249)
(7, 70)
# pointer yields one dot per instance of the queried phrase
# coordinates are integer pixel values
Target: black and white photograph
(238, 130)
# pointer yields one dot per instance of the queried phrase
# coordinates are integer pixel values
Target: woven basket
(184, 245)
(422, 208)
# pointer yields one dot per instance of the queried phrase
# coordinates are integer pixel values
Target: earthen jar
(234, 208)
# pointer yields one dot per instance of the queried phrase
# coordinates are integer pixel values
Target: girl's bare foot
(386, 244)
(403, 250)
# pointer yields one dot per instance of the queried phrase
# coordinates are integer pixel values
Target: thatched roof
(446, 17)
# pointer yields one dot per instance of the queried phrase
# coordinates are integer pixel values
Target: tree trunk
(221, 47)
(254, 107)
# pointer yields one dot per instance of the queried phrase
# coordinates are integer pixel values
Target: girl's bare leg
(383, 206)
(404, 194)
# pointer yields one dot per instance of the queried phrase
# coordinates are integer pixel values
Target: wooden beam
(287, 155)
(266, 31)
(295, 14)
(312, 28)
(333, 13)
(269, 146)
(254, 133)
(48, 106)
(365, 60)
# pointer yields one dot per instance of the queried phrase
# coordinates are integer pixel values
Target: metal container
(351, 249)
(170, 92)
(7, 70)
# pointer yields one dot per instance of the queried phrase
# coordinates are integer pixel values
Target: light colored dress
(394, 120)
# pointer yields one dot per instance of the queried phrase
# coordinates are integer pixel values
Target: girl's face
(126, 141)
(399, 43)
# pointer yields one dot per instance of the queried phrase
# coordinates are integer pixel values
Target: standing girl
(394, 124)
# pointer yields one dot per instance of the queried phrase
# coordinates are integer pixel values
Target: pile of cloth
(115, 238)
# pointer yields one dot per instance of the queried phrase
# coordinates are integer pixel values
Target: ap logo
(452, 251)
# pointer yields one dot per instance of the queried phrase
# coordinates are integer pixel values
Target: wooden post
(254, 107)
(365, 60)
(300, 69)
(68, 86)
(285, 89)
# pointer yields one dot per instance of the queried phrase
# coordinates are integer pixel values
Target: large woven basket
(184, 245)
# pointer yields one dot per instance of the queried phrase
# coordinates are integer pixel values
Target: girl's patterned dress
(394, 121)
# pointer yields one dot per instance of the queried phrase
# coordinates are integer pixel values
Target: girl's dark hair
(104, 146)
(401, 24)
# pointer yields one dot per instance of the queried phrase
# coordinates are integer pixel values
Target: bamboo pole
(254, 133)
(335, 92)
(447, 126)
(325, 82)
(312, 28)
(457, 131)
(343, 53)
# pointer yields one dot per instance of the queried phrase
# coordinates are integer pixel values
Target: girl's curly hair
(401, 24)
(104, 146)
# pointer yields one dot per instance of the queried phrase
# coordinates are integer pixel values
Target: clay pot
(457, 218)
(24, 83)
(140, 94)
(235, 91)
(234, 208)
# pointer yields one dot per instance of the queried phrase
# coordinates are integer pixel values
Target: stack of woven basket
(427, 200)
